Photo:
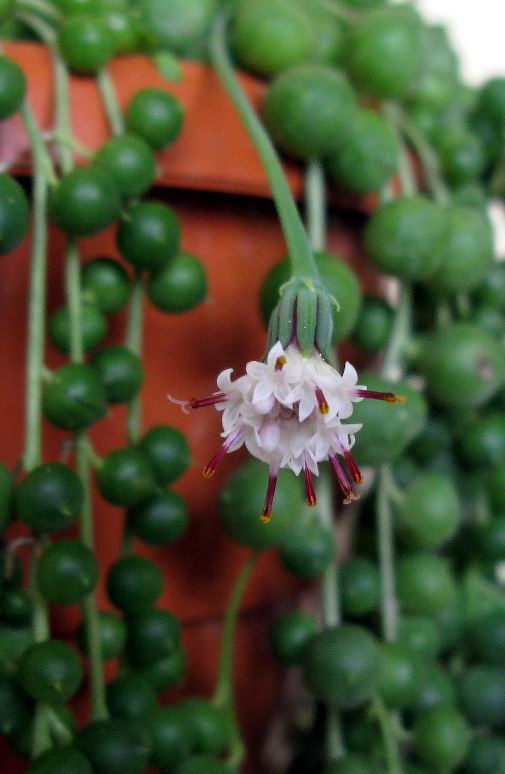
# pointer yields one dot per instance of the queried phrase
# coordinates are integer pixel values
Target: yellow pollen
(312, 501)
(280, 362)
(323, 407)
(266, 515)
(208, 472)
(397, 399)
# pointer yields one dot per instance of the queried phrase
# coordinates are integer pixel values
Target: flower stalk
(302, 260)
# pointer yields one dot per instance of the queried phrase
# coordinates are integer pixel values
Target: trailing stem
(224, 694)
(34, 371)
(74, 300)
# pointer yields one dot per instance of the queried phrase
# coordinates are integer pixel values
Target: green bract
(338, 279)
(308, 109)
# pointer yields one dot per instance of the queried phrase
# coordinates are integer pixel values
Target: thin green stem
(98, 701)
(302, 260)
(39, 26)
(134, 336)
(339, 10)
(315, 201)
(74, 300)
(34, 368)
(385, 537)
(39, 7)
(62, 113)
(37, 298)
(224, 694)
(389, 738)
(400, 335)
(425, 152)
(111, 103)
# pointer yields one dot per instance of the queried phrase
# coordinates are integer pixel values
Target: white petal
(350, 375)
(275, 353)
(269, 435)
(224, 381)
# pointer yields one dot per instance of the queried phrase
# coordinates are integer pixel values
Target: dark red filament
(321, 401)
(390, 397)
(310, 492)
(266, 513)
(343, 482)
(353, 466)
(210, 400)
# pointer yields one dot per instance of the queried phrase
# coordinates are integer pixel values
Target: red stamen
(356, 473)
(390, 397)
(310, 492)
(343, 482)
(280, 362)
(210, 400)
(321, 401)
(266, 513)
(218, 457)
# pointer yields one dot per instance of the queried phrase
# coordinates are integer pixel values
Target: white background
(477, 30)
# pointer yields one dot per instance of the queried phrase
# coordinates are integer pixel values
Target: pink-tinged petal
(305, 408)
(350, 375)
(261, 391)
(269, 435)
(257, 370)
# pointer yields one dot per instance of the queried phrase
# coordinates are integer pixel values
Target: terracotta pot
(210, 176)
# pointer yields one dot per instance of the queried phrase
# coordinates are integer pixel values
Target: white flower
(288, 412)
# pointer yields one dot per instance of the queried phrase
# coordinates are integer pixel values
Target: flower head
(288, 411)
